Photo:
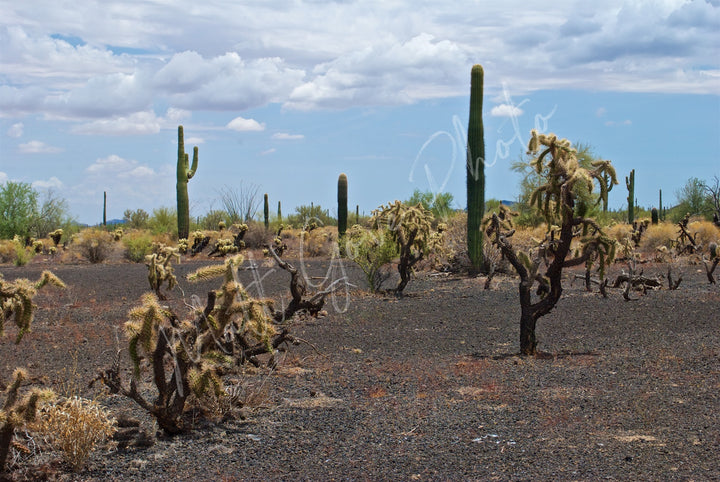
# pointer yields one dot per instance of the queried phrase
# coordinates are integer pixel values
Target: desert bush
(659, 236)
(256, 236)
(137, 219)
(163, 220)
(372, 251)
(75, 427)
(15, 251)
(95, 245)
(138, 244)
(318, 241)
(705, 232)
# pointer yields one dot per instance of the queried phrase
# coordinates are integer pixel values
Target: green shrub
(138, 244)
(372, 251)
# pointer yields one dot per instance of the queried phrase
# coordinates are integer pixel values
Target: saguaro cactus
(279, 213)
(185, 172)
(630, 183)
(104, 208)
(266, 212)
(342, 197)
(475, 170)
(660, 208)
(654, 216)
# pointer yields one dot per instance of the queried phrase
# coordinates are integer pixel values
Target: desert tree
(713, 192)
(410, 227)
(557, 163)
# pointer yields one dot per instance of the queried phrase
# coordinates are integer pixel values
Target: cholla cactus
(557, 163)
(118, 234)
(16, 301)
(159, 268)
(56, 236)
(410, 227)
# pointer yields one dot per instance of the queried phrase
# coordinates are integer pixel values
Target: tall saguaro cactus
(660, 208)
(104, 208)
(185, 172)
(342, 197)
(475, 170)
(266, 212)
(630, 183)
(279, 214)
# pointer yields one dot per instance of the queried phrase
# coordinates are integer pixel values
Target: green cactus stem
(104, 208)
(279, 214)
(654, 216)
(475, 170)
(266, 212)
(630, 183)
(342, 198)
(185, 172)
(357, 214)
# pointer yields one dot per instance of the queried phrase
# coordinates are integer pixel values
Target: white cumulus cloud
(52, 183)
(506, 110)
(241, 124)
(37, 147)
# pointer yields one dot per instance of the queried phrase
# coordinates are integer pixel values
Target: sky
(285, 95)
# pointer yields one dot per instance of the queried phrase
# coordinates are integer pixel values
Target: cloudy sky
(285, 95)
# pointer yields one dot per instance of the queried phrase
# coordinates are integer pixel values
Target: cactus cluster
(475, 169)
(159, 268)
(185, 172)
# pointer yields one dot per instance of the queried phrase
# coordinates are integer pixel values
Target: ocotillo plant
(342, 197)
(185, 172)
(266, 212)
(475, 170)
(630, 183)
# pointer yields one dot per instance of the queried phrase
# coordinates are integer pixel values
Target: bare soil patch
(424, 387)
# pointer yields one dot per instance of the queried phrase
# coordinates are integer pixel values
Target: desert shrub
(7, 251)
(256, 235)
(658, 236)
(212, 219)
(14, 251)
(372, 251)
(163, 220)
(318, 241)
(619, 232)
(705, 232)
(138, 244)
(75, 427)
(94, 245)
(137, 219)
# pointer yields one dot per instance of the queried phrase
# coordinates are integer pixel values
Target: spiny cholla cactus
(56, 236)
(159, 268)
(556, 161)
(16, 302)
(410, 227)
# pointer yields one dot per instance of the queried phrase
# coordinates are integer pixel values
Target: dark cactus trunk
(104, 208)
(654, 216)
(630, 183)
(266, 212)
(475, 170)
(342, 198)
(184, 174)
(279, 214)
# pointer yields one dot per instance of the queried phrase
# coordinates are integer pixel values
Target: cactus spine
(184, 174)
(342, 198)
(475, 169)
(630, 183)
(266, 212)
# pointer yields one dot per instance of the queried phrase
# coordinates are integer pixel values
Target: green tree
(694, 199)
(18, 207)
(137, 219)
(54, 213)
(439, 204)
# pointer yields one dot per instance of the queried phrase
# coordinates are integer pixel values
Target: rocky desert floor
(424, 387)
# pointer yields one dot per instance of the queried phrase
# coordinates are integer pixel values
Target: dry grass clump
(619, 232)
(706, 231)
(95, 245)
(660, 236)
(75, 427)
(319, 241)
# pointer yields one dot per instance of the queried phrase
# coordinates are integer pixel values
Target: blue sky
(286, 95)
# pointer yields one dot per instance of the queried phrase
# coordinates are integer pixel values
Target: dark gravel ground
(426, 387)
